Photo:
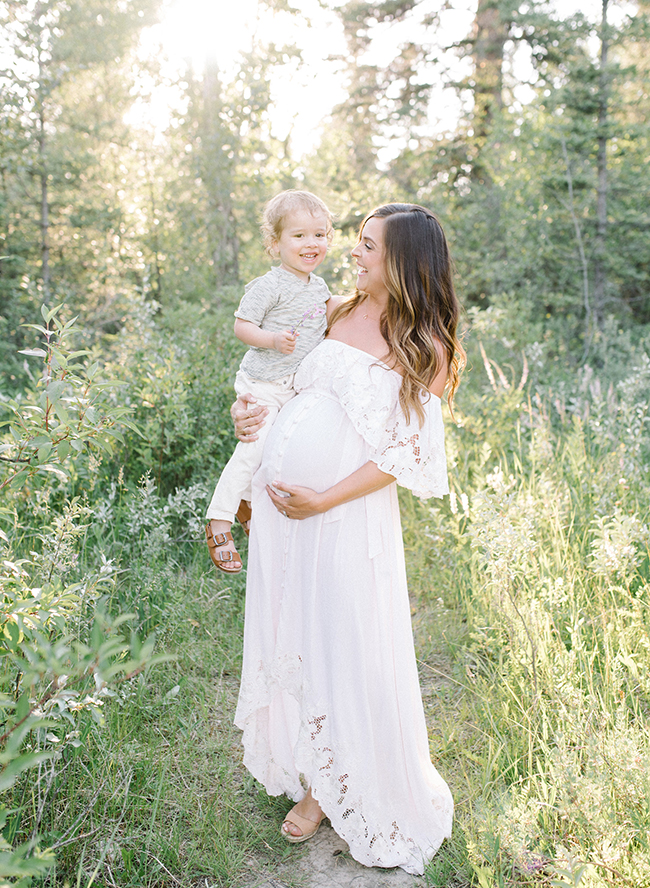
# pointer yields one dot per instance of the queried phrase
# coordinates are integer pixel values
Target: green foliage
(550, 576)
(531, 587)
(66, 86)
(69, 410)
(61, 652)
(179, 366)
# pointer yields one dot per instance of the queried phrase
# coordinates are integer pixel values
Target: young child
(282, 318)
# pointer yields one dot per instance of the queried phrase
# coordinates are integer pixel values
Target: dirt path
(326, 864)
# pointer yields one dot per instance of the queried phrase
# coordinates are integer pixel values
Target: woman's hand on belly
(295, 502)
(303, 502)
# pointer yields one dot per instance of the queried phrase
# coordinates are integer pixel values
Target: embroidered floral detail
(330, 761)
(344, 787)
(318, 724)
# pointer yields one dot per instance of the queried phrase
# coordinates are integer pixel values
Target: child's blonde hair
(279, 207)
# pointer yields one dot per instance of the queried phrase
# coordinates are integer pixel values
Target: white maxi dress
(330, 697)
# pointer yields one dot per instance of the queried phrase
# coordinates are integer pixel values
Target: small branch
(488, 368)
(55, 686)
(614, 872)
(58, 845)
(48, 694)
(524, 373)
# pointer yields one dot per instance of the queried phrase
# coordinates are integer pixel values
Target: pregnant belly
(312, 443)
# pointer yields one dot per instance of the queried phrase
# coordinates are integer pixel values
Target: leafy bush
(179, 366)
(61, 653)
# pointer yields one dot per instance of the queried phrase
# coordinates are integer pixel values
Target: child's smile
(303, 243)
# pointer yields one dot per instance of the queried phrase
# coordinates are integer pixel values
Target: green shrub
(61, 653)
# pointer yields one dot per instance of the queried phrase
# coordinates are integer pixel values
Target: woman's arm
(437, 387)
(303, 502)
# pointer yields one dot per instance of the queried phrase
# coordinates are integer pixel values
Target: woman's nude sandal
(307, 827)
(222, 558)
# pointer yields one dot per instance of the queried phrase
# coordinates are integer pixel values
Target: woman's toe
(291, 829)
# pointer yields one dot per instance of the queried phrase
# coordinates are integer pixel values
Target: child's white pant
(235, 482)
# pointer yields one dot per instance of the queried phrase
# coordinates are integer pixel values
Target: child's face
(303, 243)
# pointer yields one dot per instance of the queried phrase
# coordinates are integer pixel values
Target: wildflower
(312, 312)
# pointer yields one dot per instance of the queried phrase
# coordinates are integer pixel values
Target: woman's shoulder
(333, 303)
(439, 382)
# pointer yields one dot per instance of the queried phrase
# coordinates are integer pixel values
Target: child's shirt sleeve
(260, 296)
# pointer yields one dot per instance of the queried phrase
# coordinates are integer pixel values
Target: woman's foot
(221, 547)
(302, 821)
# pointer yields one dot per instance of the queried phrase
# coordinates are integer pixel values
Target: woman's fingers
(248, 416)
(293, 501)
(285, 488)
(242, 405)
(280, 502)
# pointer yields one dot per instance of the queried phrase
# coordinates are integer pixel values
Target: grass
(540, 714)
(533, 665)
(160, 791)
(530, 593)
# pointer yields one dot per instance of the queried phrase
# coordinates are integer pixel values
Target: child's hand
(285, 341)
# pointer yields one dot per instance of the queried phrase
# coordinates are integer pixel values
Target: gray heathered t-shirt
(279, 301)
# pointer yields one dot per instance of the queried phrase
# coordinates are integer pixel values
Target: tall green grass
(544, 618)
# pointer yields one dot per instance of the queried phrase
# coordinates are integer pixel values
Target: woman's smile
(369, 254)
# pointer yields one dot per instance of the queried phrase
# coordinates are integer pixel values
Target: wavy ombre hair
(422, 312)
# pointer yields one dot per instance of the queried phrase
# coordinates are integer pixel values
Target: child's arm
(283, 341)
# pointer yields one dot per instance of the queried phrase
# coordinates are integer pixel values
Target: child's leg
(235, 481)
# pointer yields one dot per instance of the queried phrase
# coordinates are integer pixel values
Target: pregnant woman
(330, 704)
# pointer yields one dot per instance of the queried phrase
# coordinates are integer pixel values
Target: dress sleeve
(415, 455)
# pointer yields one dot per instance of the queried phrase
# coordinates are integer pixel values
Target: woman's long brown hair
(422, 312)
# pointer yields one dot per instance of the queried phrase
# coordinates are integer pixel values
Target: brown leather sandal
(244, 516)
(220, 558)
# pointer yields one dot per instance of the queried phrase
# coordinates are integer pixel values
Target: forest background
(124, 251)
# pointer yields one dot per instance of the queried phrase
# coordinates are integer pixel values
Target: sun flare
(193, 32)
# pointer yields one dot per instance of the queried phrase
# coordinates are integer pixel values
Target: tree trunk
(217, 173)
(45, 205)
(600, 272)
(156, 276)
(490, 35)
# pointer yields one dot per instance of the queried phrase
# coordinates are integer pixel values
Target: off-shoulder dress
(330, 697)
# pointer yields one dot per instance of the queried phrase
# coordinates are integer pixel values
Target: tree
(219, 163)
(64, 92)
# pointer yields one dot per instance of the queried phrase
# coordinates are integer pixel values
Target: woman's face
(369, 253)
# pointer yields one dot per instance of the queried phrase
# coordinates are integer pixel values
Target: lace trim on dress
(351, 809)
(369, 393)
